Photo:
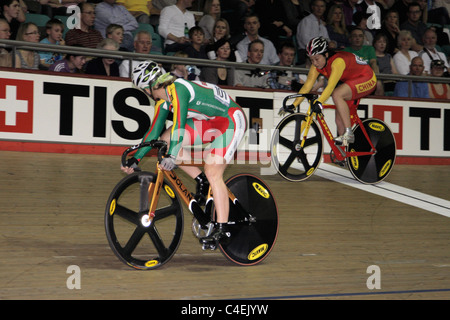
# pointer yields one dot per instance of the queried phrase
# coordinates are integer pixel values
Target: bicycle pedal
(210, 246)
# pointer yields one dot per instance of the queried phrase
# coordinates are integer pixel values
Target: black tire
(134, 244)
(374, 168)
(292, 162)
(250, 243)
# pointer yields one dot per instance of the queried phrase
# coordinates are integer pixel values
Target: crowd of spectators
(393, 36)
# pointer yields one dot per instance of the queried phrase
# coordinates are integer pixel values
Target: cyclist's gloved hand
(132, 163)
(289, 109)
(168, 163)
(317, 107)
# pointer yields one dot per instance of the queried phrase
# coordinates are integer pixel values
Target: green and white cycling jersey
(204, 111)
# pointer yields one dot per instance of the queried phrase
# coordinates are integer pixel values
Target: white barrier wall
(50, 108)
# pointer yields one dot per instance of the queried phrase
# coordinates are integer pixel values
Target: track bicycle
(297, 144)
(144, 216)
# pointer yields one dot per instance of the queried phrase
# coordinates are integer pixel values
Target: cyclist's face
(319, 61)
(157, 94)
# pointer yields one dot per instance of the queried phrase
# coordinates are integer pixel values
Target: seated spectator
(142, 44)
(115, 32)
(196, 49)
(418, 89)
(72, 63)
(104, 66)
(13, 12)
(251, 27)
(211, 12)
(222, 30)
(390, 27)
(85, 36)
(403, 58)
(361, 22)
(415, 25)
(385, 63)
(28, 59)
(429, 51)
(173, 22)
(438, 90)
(401, 6)
(285, 80)
(218, 75)
(5, 55)
(107, 12)
(54, 29)
(367, 53)
(309, 27)
(253, 78)
(184, 71)
(337, 30)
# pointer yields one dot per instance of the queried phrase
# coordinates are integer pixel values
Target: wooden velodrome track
(52, 207)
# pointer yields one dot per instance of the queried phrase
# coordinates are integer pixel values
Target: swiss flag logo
(16, 105)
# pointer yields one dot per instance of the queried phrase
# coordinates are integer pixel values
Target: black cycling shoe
(220, 235)
(201, 189)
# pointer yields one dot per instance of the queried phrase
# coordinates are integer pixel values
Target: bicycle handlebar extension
(158, 144)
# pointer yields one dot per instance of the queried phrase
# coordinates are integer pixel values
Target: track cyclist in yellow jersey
(202, 113)
(349, 78)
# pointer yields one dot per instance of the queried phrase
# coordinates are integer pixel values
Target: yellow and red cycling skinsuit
(342, 67)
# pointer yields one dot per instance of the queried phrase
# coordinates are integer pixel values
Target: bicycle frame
(154, 192)
(202, 215)
(340, 151)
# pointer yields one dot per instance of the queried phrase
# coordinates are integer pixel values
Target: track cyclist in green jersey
(202, 113)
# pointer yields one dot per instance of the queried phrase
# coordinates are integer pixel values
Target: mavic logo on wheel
(258, 251)
(354, 161)
(16, 105)
(385, 168)
(261, 190)
(376, 126)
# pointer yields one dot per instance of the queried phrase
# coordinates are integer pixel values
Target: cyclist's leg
(356, 88)
(340, 96)
(229, 133)
(214, 168)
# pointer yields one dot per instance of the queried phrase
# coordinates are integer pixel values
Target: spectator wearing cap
(438, 90)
